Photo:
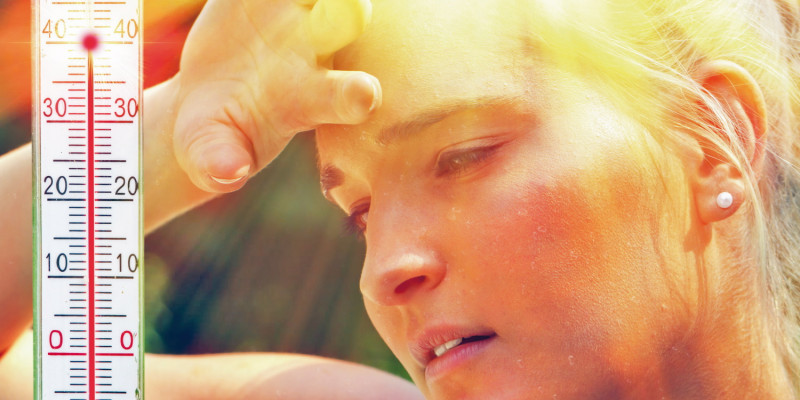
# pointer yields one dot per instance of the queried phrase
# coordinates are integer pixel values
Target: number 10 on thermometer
(87, 199)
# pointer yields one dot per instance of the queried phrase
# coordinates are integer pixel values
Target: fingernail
(240, 174)
(363, 93)
(376, 95)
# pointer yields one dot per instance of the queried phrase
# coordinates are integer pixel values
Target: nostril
(408, 284)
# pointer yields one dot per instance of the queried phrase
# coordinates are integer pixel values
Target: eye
(356, 221)
(453, 162)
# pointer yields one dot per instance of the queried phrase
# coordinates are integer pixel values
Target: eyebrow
(332, 177)
(437, 113)
(329, 178)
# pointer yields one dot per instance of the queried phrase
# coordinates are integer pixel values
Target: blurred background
(268, 268)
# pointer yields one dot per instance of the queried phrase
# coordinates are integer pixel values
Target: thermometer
(87, 199)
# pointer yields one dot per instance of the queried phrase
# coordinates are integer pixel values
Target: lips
(439, 341)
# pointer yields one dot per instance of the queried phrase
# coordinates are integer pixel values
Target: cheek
(570, 248)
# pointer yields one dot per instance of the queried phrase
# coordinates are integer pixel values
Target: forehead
(441, 35)
(429, 53)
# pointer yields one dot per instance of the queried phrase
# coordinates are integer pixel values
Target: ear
(741, 97)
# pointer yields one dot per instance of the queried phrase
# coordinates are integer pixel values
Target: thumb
(338, 97)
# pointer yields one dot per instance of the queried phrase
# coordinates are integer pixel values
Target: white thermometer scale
(87, 200)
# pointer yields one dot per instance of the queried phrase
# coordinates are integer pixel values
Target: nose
(394, 274)
(406, 245)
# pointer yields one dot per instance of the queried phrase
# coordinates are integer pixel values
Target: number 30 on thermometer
(87, 199)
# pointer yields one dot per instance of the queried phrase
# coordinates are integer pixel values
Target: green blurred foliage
(268, 268)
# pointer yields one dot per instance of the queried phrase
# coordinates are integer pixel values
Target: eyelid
(358, 205)
(486, 145)
(476, 143)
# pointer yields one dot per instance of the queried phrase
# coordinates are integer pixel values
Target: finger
(338, 97)
(216, 156)
(332, 24)
(306, 3)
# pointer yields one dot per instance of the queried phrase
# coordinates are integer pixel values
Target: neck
(729, 352)
(727, 364)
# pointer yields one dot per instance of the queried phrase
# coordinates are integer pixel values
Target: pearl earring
(724, 200)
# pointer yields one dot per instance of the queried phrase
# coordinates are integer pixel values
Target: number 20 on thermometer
(87, 115)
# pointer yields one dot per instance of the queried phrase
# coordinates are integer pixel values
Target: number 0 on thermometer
(87, 199)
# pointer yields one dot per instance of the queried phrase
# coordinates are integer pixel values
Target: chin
(499, 391)
(538, 383)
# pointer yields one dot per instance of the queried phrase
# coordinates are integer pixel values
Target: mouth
(442, 349)
(443, 342)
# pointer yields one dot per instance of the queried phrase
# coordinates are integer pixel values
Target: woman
(560, 199)
(579, 199)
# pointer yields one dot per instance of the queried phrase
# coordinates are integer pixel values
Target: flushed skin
(504, 198)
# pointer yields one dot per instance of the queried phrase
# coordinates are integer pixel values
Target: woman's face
(508, 206)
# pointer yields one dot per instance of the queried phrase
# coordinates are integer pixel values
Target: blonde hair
(648, 51)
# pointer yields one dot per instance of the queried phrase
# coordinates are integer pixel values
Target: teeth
(439, 350)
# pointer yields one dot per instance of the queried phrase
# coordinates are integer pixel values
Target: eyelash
(352, 222)
(457, 161)
(444, 166)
